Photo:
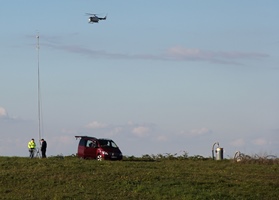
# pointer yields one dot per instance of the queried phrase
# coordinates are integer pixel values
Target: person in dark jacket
(43, 148)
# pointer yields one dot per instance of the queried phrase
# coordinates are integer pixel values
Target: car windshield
(107, 143)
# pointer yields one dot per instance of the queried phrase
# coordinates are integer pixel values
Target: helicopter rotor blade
(95, 14)
(91, 14)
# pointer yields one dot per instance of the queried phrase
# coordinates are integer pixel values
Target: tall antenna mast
(39, 89)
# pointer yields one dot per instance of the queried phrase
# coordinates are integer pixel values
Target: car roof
(87, 137)
(104, 139)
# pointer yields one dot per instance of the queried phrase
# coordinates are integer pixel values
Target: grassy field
(137, 178)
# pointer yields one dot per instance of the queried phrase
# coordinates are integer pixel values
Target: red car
(100, 149)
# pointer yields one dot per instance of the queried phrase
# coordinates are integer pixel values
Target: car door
(90, 149)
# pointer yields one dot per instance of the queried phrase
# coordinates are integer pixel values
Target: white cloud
(162, 138)
(196, 132)
(3, 112)
(140, 131)
(95, 125)
(201, 131)
(259, 141)
(238, 143)
(186, 53)
(172, 53)
(194, 54)
(116, 130)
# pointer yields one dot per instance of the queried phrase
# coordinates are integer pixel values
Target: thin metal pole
(39, 93)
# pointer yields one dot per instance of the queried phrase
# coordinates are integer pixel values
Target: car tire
(99, 157)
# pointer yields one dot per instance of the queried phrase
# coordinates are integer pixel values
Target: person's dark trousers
(31, 153)
(43, 153)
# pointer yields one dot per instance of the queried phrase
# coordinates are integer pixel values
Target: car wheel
(99, 158)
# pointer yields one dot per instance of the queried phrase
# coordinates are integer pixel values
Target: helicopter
(94, 18)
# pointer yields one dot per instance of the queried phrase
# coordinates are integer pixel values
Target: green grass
(137, 178)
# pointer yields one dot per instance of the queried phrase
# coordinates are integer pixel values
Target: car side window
(89, 143)
(113, 144)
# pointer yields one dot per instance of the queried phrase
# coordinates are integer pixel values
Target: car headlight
(104, 152)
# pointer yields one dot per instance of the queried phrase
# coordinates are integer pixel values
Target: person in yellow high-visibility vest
(31, 147)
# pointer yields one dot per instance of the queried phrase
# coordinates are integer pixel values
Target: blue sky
(157, 76)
